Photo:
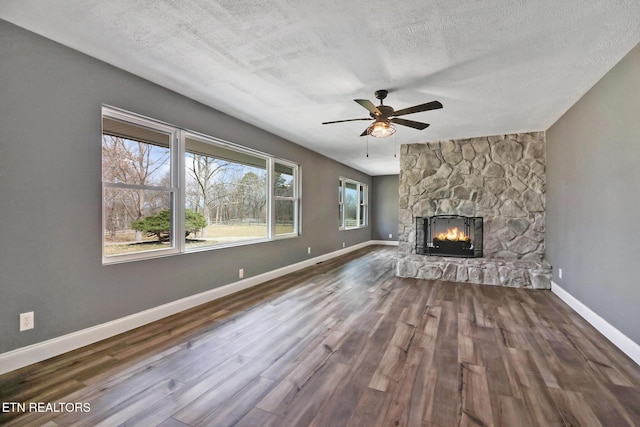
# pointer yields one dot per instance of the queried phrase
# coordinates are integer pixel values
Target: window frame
(216, 142)
(154, 125)
(177, 189)
(294, 198)
(362, 204)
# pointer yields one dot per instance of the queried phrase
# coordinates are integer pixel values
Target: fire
(453, 234)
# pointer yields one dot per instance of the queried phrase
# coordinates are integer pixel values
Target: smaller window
(362, 220)
(285, 198)
(138, 187)
(352, 204)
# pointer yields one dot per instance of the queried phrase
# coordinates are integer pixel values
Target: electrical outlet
(390, 236)
(26, 321)
(309, 250)
(344, 245)
(241, 273)
(559, 273)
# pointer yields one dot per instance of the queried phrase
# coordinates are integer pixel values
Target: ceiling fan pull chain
(367, 145)
(395, 145)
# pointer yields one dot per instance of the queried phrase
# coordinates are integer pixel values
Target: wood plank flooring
(345, 343)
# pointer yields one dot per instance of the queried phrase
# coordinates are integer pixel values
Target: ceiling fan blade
(433, 105)
(341, 121)
(410, 123)
(369, 106)
(366, 131)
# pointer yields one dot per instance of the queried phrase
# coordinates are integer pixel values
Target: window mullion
(271, 205)
(136, 186)
(178, 175)
(298, 192)
(358, 198)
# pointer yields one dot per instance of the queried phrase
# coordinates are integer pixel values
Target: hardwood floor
(345, 343)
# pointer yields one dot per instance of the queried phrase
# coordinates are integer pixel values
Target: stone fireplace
(499, 181)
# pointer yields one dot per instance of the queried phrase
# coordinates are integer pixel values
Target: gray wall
(593, 197)
(384, 207)
(50, 195)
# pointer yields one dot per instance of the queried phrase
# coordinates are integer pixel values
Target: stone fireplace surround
(500, 178)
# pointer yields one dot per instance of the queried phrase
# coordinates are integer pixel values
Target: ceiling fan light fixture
(381, 129)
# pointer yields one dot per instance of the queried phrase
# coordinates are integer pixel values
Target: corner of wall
(620, 340)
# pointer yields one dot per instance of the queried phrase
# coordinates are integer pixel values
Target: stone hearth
(481, 271)
(500, 178)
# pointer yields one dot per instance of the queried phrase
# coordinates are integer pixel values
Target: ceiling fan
(385, 116)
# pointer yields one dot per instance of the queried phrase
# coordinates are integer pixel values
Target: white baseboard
(620, 340)
(383, 242)
(38, 352)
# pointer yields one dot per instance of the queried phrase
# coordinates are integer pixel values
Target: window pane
(283, 181)
(227, 189)
(136, 220)
(340, 207)
(284, 216)
(363, 206)
(351, 205)
(135, 155)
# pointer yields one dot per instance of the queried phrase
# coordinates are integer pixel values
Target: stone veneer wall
(500, 178)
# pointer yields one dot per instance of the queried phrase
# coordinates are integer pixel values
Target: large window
(228, 195)
(228, 187)
(352, 204)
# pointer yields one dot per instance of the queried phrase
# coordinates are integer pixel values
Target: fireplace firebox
(449, 235)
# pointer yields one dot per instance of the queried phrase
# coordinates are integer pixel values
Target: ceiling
(287, 66)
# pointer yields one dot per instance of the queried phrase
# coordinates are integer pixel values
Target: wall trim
(24, 356)
(383, 242)
(620, 340)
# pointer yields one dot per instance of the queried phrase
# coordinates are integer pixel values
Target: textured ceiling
(286, 66)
